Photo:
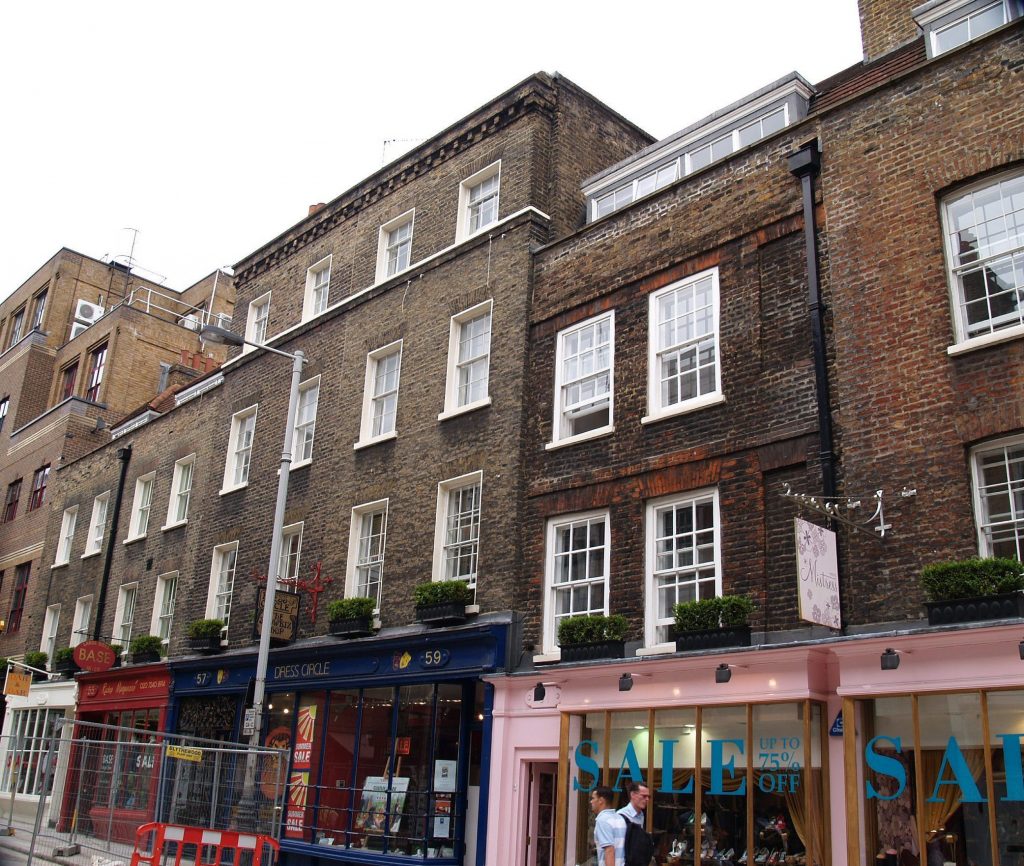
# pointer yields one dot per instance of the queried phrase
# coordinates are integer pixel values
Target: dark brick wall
(885, 25)
(907, 412)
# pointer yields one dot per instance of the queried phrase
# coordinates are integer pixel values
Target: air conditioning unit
(77, 328)
(87, 312)
(191, 321)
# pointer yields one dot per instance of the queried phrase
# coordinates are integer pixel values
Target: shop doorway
(540, 842)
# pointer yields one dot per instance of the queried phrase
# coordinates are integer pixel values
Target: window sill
(366, 443)
(224, 491)
(582, 437)
(993, 339)
(300, 464)
(547, 658)
(463, 410)
(180, 523)
(60, 564)
(472, 608)
(684, 408)
(132, 539)
(659, 649)
(92, 553)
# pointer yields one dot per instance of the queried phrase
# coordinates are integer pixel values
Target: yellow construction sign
(185, 753)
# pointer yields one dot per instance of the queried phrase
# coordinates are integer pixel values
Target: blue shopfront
(388, 738)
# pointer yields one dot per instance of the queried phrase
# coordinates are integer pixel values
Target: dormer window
(744, 123)
(952, 23)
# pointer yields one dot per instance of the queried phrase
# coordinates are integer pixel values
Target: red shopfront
(120, 713)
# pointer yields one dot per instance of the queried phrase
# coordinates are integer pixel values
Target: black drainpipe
(806, 164)
(124, 455)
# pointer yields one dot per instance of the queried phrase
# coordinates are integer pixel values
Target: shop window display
(373, 769)
(730, 785)
(932, 773)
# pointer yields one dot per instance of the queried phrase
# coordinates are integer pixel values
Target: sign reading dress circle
(94, 655)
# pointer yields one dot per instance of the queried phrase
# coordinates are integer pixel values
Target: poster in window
(817, 574)
(372, 816)
(298, 796)
(444, 776)
(304, 727)
(442, 817)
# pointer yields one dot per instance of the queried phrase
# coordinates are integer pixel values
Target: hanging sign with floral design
(818, 574)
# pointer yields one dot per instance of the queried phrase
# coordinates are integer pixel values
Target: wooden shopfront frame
(859, 836)
(820, 813)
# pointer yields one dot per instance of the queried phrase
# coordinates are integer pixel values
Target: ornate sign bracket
(841, 508)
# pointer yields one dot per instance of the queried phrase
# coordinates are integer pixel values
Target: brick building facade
(813, 293)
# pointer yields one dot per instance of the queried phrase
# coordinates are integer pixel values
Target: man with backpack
(639, 847)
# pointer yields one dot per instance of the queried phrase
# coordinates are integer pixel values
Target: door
(540, 841)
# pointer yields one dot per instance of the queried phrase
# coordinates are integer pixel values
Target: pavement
(14, 849)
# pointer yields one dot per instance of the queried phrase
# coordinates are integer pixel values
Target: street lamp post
(219, 335)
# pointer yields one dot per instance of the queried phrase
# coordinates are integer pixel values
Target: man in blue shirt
(609, 828)
(639, 796)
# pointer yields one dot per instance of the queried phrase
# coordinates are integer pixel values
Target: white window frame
(463, 221)
(355, 549)
(256, 325)
(985, 332)
(80, 623)
(67, 535)
(318, 291)
(127, 604)
(655, 407)
(560, 427)
(385, 244)
(97, 524)
(142, 507)
(236, 447)
(943, 17)
(305, 427)
(551, 647)
(178, 492)
(441, 543)
(214, 592)
(692, 498)
(165, 596)
(452, 394)
(1015, 522)
(51, 624)
(371, 399)
(285, 575)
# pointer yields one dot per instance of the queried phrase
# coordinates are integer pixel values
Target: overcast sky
(211, 127)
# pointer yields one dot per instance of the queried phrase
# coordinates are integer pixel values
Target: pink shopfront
(820, 753)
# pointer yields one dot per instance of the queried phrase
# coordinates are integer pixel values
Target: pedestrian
(634, 810)
(609, 828)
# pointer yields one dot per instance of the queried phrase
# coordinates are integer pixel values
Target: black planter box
(1004, 606)
(205, 645)
(353, 626)
(716, 638)
(66, 669)
(145, 658)
(605, 649)
(445, 613)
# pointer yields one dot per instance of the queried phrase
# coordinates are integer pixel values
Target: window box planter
(352, 626)
(66, 669)
(712, 638)
(1006, 605)
(205, 645)
(603, 649)
(145, 657)
(442, 602)
(442, 613)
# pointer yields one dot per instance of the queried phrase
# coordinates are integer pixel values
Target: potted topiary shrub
(37, 659)
(712, 623)
(350, 617)
(64, 662)
(204, 635)
(972, 590)
(145, 649)
(442, 602)
(595, 636)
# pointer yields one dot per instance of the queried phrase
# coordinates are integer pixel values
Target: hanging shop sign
(285, 623)
(94, 655)
(17, 684)
(818, 574)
